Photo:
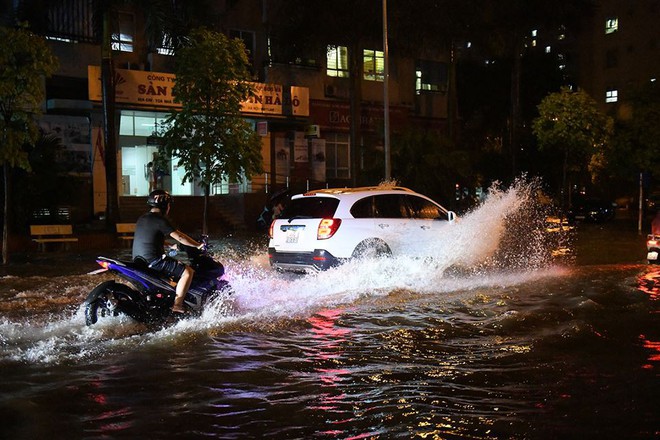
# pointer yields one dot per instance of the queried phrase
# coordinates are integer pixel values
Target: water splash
(500, 243)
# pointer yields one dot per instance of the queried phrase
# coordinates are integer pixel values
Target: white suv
(320, 229)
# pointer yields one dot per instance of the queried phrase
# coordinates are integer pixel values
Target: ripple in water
(502, 242)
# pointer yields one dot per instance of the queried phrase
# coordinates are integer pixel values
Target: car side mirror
(451, 216)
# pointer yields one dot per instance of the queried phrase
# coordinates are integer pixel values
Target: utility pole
(386, 98)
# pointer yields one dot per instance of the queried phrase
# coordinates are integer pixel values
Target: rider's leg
(182, 288)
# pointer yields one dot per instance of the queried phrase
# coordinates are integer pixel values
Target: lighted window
(562, 33)
(548, 49)
(123, 40)
(337, 61)
(430, 76)
(136, 123)
(374, 65)
(165, 47)
(612, 95)
(338, 159)
(611, 25)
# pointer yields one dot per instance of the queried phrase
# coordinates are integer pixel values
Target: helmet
(160, 199)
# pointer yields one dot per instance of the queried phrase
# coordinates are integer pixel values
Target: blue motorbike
(149, 295)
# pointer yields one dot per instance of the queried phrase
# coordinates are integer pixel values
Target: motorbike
(653, 248)
(148, 295)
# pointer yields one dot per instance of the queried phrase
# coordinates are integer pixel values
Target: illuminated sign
(155, 89)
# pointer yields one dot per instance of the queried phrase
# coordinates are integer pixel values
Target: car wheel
(372, 248)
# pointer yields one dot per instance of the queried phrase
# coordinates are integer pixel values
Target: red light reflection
(649, 283)
(110, 420)
(654, 351)
(328, 349)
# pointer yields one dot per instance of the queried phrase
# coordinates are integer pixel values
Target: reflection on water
(649, 283)
(487, 342)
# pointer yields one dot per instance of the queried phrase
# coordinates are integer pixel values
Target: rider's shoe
(178, 309)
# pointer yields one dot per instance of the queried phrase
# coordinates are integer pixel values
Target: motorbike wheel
(98, 303)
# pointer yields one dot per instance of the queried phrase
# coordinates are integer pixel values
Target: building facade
(301, 109)
(619, 52)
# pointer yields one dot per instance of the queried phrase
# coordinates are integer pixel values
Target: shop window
(136, 123)
(374, 65)
(338, 155)
(337, 61)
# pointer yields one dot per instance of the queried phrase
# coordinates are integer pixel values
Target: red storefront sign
(336, 116)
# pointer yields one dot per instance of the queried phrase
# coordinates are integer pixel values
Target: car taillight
(327, 228)
(271, 228)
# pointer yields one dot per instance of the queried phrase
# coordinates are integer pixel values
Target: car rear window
(311, 207)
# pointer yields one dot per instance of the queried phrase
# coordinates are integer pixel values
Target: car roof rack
(358, 189)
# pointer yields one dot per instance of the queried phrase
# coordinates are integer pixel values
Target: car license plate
(652, 256)
(292, 235)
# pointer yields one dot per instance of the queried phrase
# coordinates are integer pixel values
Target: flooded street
(394, 348)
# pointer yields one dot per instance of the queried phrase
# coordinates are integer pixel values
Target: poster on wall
(318, 160)
(282, 162)
(74, 134)
(300, 148)
(99, 185)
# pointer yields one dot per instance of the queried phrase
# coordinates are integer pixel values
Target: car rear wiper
(299, 217)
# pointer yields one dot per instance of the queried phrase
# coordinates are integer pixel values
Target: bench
(125, 232)
(43, 234)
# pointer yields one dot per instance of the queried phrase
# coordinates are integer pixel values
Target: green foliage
(428, 163)
(571, 122)
(636, 145)
(209, 137)
(26, 60)
(49, 184)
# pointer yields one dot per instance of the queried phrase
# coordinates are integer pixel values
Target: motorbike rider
(151, 230)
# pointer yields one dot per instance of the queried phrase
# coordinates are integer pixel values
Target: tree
(635, 145)
(165, 23)
(570, 122)
(430, 163)
(26, 60)
(209, 137)
(502, 30)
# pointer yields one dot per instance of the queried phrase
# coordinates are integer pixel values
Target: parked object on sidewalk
(149, 295)
(43, 234)
(125, 232)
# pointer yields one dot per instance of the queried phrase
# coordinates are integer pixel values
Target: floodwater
(510, 332)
